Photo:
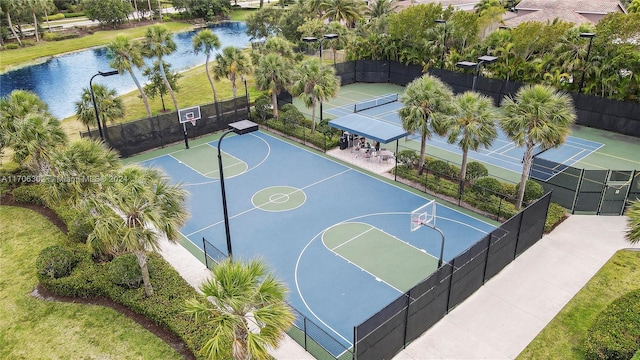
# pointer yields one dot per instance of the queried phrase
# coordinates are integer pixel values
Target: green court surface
(620, 152)
(389, 259)
(204, 159)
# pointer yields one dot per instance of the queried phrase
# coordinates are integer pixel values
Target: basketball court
(340, 238)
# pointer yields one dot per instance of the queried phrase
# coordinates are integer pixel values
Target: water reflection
(60, 80)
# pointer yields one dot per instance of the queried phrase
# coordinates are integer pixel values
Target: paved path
(500, 319)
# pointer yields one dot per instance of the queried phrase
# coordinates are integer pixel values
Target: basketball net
(192, 121)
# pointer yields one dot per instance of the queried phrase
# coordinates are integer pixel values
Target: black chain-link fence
(410, 315)
(134, 137)
(599, 192)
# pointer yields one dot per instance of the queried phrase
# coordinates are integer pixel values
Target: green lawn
(34, 329)
(563, 337)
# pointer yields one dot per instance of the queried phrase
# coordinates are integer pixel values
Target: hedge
(615, 333)
(166, 307)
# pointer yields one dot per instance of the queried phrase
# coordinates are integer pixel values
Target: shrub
(57, 37)
(509, 190)
(438, 168)
(615, 333)
(79, 224)
(555, 216)
(262, 107)
(58, 16)
(55, 262)
(408, 159)
(486, 186)
(291, 116)
(11, 46)
(32, 194)
(125, 271)
(475, 170)
(28, 43)
(532, 190)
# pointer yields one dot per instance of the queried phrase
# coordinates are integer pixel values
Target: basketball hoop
(191, 119)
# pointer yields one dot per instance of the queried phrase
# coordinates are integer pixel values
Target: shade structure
(370, 128)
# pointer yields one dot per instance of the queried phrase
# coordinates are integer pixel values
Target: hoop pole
(186, 138)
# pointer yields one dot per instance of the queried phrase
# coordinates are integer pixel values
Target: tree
(471, 124)
(426, 100)
(77, 170)
(245, 305)
(208, 9)
(314, 83)
(14, 108)
(346, 11)
(157, 43)
(156, 86)
(273, 73)
(110, 12)
(206, 41)
(110, 106)
(136, 208)
(537, 115)
(9, 7)
(34, 138)
(231, 63)
(633, 222)
(380, 8)
(125, 54)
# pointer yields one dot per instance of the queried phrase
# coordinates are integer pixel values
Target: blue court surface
(340, 238)
(503, 153)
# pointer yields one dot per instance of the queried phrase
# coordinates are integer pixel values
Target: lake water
(60, 80)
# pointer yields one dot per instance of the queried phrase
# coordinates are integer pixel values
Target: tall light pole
(444, 40)
(590, 36)
(485, 59)
(310, 39)
(93, 97)
(239, 127)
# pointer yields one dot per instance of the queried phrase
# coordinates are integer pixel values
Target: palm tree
(80, 165)
(14, 108)
(8, 7)
(125, 54)
(134, 212)
(273, 73)
(471, 124)
(537, 115)
(34, 139)
(346, 11)
(233, 62)
(380, 8)
(426, 100)
(157, 43)
(314, 83)
(206, 41)
(110, 106)
(245, 305)
(633, 222)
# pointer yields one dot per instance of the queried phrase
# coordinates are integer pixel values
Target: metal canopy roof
(370, 128)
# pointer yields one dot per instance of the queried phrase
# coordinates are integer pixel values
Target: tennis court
(503, 153)
(340, 238)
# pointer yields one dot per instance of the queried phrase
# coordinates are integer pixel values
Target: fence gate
(615, 193)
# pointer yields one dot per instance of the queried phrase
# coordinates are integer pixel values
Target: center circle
(278, 198)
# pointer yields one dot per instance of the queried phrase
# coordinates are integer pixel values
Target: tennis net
(379, 101)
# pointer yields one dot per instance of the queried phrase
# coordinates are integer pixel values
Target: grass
(563, 337)
(194, 90)
(31, 54)
(31, 327)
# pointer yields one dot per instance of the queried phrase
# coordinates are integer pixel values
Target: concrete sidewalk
(500, 319)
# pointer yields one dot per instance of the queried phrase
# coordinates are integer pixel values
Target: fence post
(304, 328)
(204, 248)
(499, 208)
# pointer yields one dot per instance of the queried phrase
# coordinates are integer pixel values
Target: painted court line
(353, 238)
